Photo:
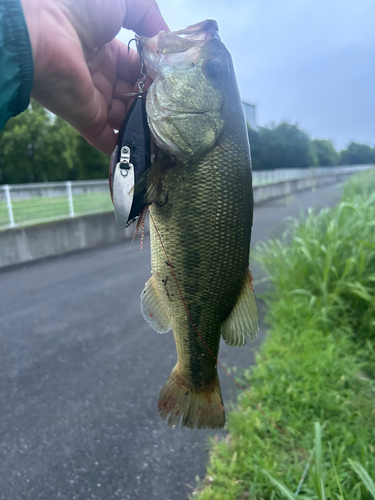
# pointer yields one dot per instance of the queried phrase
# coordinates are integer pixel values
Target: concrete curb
(29, 243)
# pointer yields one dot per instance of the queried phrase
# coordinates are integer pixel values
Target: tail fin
(201, 409)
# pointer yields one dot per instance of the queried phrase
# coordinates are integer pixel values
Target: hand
(81, 72)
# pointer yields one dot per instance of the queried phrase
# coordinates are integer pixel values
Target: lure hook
(130, 41)
(143, 71)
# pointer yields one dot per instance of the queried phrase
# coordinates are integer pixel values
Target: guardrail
(25, 204)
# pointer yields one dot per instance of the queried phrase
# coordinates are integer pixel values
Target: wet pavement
(81, 371)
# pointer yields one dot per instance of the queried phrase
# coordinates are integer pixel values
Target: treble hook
(130, 41)
(143, 71)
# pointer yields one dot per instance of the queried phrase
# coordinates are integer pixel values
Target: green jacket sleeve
(16, 61)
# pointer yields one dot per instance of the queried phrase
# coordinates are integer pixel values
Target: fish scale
(200, 242)
(207, 240)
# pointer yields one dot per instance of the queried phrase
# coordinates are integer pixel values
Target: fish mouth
(180, 49)
(177, 105)
(207, 29)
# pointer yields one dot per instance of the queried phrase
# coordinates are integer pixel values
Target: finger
(128, 66)
(104, 140)
(92, 124)
(105, 88)
(121, 90)
(96, 22)
(104, 60)
(117, 114)
(144, 17)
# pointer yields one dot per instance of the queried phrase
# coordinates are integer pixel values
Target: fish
(200, 198)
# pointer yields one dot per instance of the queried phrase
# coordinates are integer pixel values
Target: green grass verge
(56, 207)
(316, 365)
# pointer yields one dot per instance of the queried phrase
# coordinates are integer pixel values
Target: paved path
(81, 371)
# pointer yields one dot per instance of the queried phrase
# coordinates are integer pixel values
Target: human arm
(16, 64)
(81, 72)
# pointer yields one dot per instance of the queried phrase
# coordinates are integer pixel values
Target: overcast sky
(310, 62)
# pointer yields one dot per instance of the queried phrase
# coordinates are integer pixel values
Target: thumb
(144, 17)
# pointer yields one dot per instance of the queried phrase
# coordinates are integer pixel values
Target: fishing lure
(131, 158)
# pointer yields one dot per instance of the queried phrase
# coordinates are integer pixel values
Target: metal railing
(24, 204)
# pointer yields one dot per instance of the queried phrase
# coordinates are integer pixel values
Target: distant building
(249, 110)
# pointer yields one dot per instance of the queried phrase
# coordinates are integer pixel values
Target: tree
(325, 152)
(281, 146)
(22, 146)
(60, 157)
(35, 146)
(256, 148)
(357, 154)
(91, 163)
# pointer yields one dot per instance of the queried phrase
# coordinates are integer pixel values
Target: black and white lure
(131, 158)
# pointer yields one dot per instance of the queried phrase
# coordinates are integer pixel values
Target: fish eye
(213, 68)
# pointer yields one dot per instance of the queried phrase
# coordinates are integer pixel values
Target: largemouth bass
(201, 206)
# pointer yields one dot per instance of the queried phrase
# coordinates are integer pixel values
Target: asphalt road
(81, 371)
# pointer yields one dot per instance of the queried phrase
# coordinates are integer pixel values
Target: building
(249, 110)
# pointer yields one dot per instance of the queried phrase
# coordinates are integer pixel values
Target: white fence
(24, 204)
(261, 177)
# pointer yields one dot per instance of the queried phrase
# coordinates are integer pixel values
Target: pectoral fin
(242, 322)
(147, 185)
(153, 309)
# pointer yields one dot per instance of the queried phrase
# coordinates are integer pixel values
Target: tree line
(287, 146)
(38, 147)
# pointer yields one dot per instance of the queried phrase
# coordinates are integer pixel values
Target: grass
(315, 370)
(318, 476)
(56, 207)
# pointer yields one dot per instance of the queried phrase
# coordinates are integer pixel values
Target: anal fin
(243, 320)
(153, 309)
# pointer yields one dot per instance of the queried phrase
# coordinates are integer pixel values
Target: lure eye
(213, 68)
